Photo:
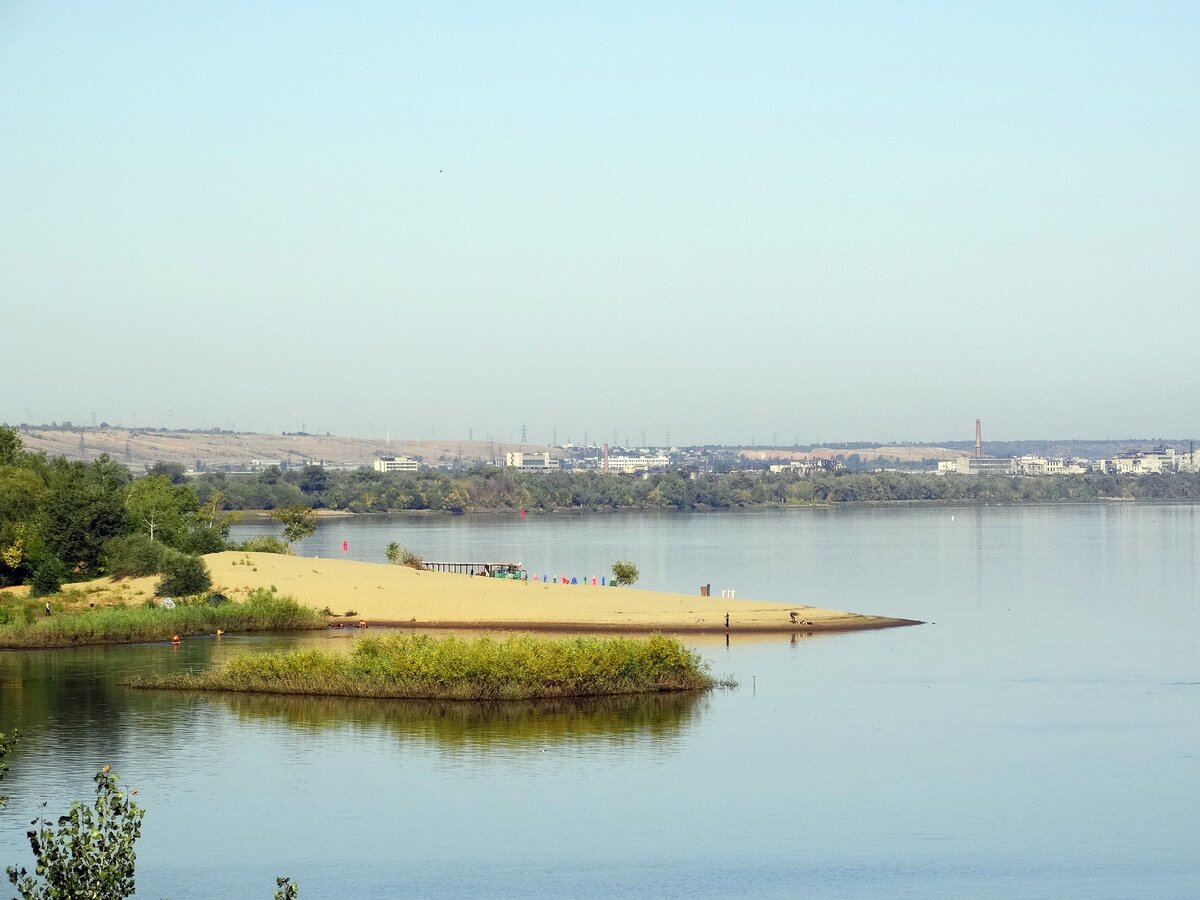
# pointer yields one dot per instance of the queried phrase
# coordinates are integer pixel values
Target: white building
(1041, 465)
(530, 462)
(1153, 462)
(396, 464)
(626, 464)
(978, 465)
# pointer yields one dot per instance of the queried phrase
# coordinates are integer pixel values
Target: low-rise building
(978, 465)
(396, 464)
(1042, 465)
(1153, 462)
(807, 466)
(629, 464)
(530, 462)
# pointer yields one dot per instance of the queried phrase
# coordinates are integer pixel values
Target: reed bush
(414, 666)
(261, 611)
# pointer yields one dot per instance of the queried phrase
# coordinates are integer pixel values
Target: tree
(173, 472)
(298, 522)
(84, 506)
(89, 854)
(21, 494)
(313, 480)
(133, 555)
(393, 553)
(48, 577)
(211, 514)
(624, 572)
(11, 447)
(157, 506)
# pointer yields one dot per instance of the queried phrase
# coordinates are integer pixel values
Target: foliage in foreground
(90, 852)
(261, 611)
(7, 742)
(416, 666)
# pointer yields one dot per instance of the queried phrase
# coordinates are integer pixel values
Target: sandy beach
(387, 594)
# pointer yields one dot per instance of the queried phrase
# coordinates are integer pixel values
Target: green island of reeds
(262, 610)
(414, 666)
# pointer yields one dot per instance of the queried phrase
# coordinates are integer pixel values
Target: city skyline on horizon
(586, 437)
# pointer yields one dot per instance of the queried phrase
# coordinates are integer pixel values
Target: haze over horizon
(734, 224)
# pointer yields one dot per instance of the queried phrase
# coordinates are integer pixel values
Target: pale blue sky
(726, 221)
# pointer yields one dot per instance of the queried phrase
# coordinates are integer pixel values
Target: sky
(717, 222)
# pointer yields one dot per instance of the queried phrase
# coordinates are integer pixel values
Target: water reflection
(479, 726)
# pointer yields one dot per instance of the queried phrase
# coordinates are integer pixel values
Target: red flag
(345, 546)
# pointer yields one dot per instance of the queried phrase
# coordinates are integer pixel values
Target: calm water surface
(1039, 738)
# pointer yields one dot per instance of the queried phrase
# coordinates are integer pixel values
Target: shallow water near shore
(1038, 738)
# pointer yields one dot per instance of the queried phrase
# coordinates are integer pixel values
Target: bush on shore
(48, 578)
(416, 666)
(182, 575)
(266, 543)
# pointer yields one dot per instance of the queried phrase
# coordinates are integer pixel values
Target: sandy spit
(397, 595)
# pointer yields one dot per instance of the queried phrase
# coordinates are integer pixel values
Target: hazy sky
(723, 221)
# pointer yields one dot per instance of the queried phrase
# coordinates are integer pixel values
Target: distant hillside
(142, 447)
(139, 448)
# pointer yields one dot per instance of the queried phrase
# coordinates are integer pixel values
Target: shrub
(48, 577)
(182, 575)
(202, 540)
(266, 543)
(399, 555)
(624, 572)
(133, 555)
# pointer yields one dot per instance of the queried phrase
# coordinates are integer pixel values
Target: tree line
(488, 488)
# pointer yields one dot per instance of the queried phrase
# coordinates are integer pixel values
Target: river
(1038, 737)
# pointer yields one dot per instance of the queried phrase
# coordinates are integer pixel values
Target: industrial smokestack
(978, 441)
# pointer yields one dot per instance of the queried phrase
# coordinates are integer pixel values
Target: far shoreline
(323, 513)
